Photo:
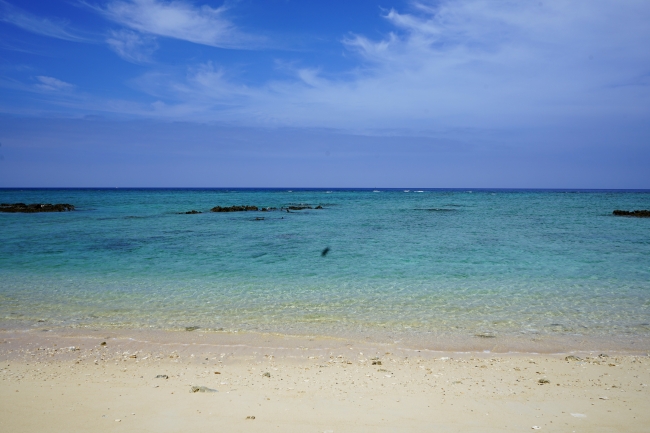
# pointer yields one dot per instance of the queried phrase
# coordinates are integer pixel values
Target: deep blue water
(454, 261)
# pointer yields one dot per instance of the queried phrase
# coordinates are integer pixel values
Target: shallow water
(437, 262)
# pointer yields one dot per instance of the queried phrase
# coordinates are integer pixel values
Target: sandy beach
(200, 381)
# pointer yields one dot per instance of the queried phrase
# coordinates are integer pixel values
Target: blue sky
(273, 93)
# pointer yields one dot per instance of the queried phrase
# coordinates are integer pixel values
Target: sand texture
(56, 382)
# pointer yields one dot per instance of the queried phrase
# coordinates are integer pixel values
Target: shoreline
(142, 381)
(441, 343)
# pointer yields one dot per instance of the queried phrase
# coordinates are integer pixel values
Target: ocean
(422, 265)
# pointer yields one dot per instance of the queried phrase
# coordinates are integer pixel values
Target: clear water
(431, 262)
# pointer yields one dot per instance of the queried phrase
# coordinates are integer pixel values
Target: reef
(36, 207)
(243, 208)
(634, 213)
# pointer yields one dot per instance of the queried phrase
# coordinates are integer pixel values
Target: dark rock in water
(243, 208)
(299, 207)
(36, 207)
(191, 328)
(325, 251)
(318, 207)
(191, 212)
(259, 218)
(634, 213)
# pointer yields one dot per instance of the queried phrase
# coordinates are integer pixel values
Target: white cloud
(35, 24)
(179, 20)
(132, 46)
(52, 84)
(450, 64)
(466, 63)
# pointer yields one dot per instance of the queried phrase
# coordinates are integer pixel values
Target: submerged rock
(634, 213)
(36, 207)
(243, 208)
(191, 212)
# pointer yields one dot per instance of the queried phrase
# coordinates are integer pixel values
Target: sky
(285, 93)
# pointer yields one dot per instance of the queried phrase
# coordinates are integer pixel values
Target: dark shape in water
(634, 213)
(318, 207)
(191, 212)
(259, 218)
(36, 207)
(243, 208)
(299, 207)
(438, 209)
(191, 328)
(325, 251)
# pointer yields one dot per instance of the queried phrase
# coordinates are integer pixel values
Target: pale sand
(56, 381)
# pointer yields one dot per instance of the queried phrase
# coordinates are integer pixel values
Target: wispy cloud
(445, 65)
(467, 63)
(132, 46)
(59, 29)
(52, 84)
(179, 20)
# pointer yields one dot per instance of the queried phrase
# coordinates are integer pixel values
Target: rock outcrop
(634, 213)
(36, 207)
(244, 208)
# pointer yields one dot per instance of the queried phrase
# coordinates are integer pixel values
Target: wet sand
(70, 381)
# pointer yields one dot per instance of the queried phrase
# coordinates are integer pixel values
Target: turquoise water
(436, 261)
